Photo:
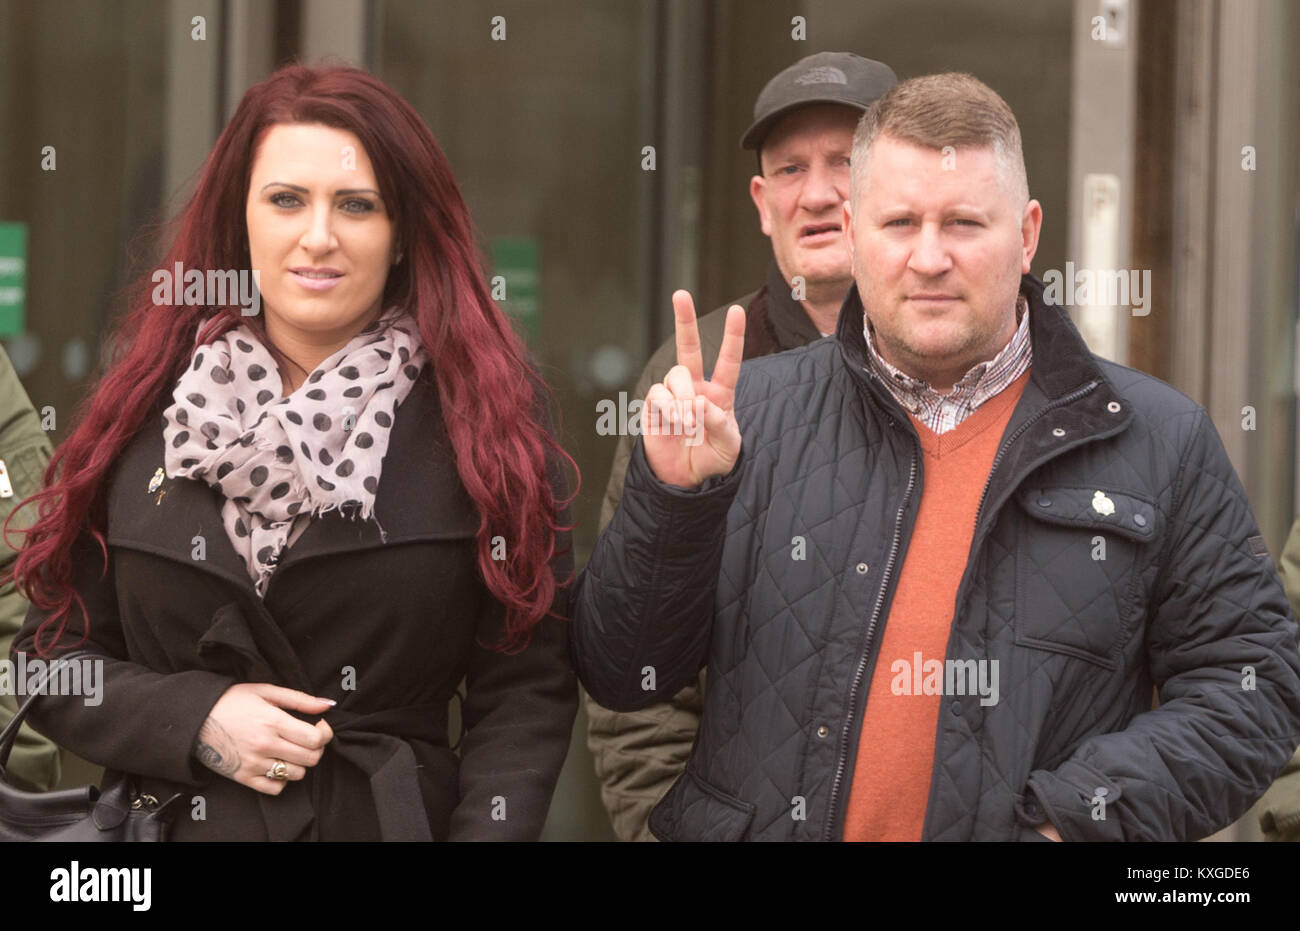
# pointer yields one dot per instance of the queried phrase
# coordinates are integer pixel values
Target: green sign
(13, 277)
(515, 284)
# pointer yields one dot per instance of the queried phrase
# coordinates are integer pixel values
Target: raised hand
(690, 429)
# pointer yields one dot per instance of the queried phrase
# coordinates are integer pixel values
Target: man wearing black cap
(803, 132)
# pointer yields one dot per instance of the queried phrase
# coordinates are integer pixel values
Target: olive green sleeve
(1279, 809)
(24, 451)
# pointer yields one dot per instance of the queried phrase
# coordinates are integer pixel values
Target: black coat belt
(374, 742)
(377, 744)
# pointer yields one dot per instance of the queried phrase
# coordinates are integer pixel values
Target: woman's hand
(247, 732)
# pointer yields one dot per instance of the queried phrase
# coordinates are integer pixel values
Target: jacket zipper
(866, 651)
(889, 566)
(975, 542)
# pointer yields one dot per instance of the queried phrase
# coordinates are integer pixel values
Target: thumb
(718, 426)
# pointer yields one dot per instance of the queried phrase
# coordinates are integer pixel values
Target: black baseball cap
(827, 77)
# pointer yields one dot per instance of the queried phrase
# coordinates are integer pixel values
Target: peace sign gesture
(690, 428)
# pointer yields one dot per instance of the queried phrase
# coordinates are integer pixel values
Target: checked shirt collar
(943, 412)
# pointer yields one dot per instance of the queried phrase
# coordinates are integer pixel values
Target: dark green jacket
(24, 451)
(1279, 809)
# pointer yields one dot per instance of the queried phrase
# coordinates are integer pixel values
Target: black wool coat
(386, 627)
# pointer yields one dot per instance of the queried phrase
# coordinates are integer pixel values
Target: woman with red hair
(288, 528)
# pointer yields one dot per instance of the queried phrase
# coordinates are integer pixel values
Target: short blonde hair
(939, 110)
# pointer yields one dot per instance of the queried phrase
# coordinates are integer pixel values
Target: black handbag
(116, 813)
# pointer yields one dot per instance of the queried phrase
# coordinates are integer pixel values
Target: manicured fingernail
(328, 701)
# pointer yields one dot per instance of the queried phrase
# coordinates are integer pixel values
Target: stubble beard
(905, 354)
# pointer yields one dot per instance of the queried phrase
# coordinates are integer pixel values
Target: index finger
(283, 697)
(688, 335)
(727, 370)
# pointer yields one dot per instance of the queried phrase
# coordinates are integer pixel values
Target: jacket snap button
(862, 568)
(1113, 407)
(823, 731)
(956, 707)
(1058, 432)
(1139, 520)
(1044, 502)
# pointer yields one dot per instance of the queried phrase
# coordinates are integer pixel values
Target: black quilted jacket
(1186, 600)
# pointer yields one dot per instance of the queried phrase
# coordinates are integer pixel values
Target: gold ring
(278, 771)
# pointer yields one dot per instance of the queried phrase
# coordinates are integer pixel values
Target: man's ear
(757, 187)
(1030, 227)
(846, 224)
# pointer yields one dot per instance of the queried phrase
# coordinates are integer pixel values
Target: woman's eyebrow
(303, 190)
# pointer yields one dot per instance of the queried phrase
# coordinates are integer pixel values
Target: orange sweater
(891, 780)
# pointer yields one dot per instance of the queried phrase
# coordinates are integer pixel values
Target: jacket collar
(1067, 402)
(790, 322)
(1062, 365)
(420, 497)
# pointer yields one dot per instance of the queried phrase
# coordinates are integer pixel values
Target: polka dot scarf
(278, 460)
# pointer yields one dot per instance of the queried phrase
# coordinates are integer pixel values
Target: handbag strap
(10, 733)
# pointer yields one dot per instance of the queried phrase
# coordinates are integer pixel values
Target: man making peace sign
(801, 137)
(936, 565)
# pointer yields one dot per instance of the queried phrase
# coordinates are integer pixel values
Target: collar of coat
(420, 497)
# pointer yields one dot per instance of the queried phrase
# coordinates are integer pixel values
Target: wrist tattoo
(215, 750)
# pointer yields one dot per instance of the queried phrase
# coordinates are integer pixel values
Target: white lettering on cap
(823, 75)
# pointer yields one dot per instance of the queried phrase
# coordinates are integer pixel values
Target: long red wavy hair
(493, 402)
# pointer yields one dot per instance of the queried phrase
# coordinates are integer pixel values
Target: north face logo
(823, 75)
